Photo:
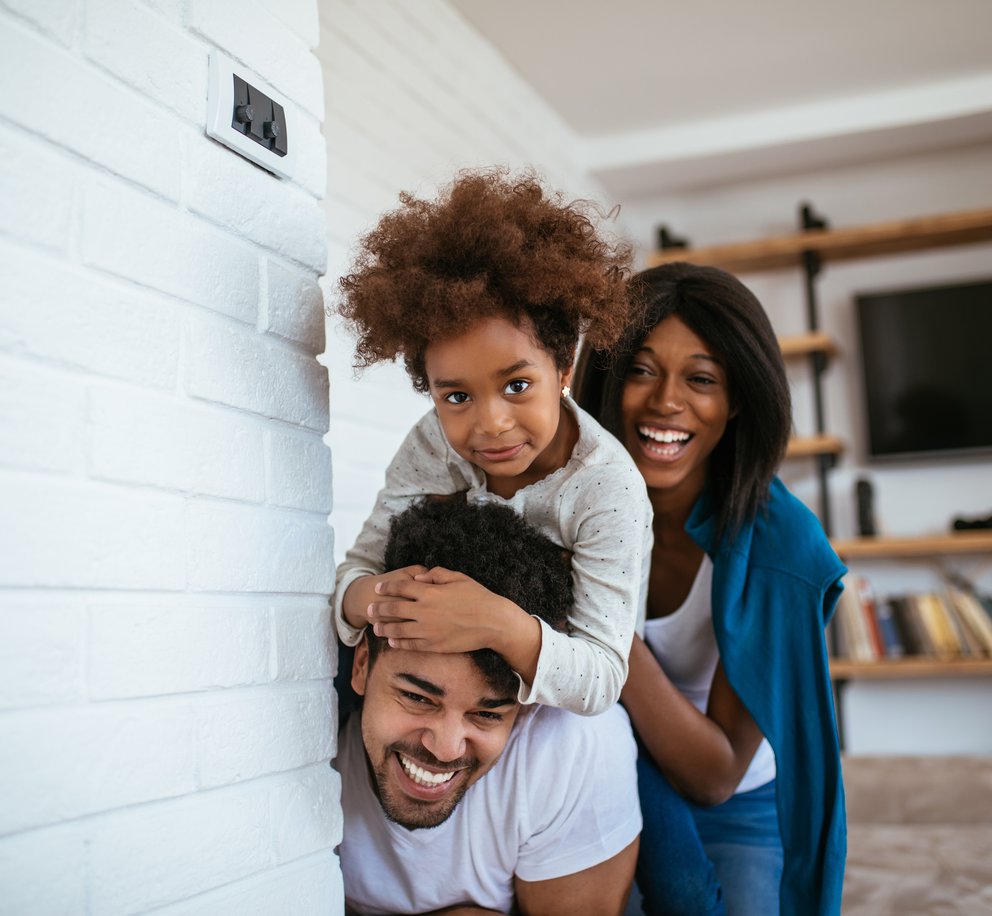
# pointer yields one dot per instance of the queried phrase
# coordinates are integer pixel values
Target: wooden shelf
(842, 669)
(808, 446)
(840, 244)
(795, 345)
(960, 542)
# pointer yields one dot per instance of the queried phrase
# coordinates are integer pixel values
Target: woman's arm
(703, 756)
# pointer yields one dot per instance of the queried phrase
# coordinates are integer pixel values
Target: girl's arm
(703, 756)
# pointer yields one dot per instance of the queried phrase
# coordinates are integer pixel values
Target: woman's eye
(636, 370)
(517, 386)
(456, 397)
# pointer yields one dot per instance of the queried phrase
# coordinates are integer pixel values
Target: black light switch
(258, 117)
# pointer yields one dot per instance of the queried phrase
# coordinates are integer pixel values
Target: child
(484, 293)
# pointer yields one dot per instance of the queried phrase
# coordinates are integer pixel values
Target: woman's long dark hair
(723, 312)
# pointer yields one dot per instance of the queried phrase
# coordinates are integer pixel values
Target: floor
(919, 837)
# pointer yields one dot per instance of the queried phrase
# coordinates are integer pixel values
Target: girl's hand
(443, 611)
(361, 593)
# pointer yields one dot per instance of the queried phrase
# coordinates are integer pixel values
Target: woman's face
(675, 408)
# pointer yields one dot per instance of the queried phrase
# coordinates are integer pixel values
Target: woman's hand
(439, 610)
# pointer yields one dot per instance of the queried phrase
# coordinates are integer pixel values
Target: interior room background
(172, 409)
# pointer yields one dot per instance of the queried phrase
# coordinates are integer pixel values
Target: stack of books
(951, 624)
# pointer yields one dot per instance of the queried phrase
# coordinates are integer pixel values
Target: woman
(729, 690)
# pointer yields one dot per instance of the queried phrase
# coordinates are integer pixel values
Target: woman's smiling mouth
(662, 442)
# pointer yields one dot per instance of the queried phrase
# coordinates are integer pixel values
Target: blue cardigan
(775, 586)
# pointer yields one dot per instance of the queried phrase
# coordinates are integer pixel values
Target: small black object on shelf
(972, 524)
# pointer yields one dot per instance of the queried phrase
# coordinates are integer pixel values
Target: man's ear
(360, 667)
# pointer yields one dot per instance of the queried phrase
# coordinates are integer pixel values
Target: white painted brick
(158, 246)
(56, 17)
(252, 34)
(137, 649)
(170, 851)
(102, 328)
(43, 873)
(243, 368)
(40, 652)
(299, 15)
(296, 305)
(311, 152)
(41, 414)
(313, 885)
(37, 187)
(307, 813)
(165, 64)
(299, 472)
(173, 10)
(58, 764)
(89, 536)
(254, 203)
(89, 113)
(256, 733)
(305, 642)
(178, 444)
(233, 548)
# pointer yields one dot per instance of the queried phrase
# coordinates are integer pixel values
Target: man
(455, 797)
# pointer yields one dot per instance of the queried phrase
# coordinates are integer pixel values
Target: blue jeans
(697, 861)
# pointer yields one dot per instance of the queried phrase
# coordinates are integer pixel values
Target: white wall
(166, 714)
(911, 498)
(413, 95)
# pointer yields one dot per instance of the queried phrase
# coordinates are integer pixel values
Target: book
(891, 636)
(866, 596)
(911, 613)
(973, 616)
(935, 619)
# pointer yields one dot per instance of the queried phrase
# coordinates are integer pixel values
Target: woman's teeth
(421, 776)
(667, 436)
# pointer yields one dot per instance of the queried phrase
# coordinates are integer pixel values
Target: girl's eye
(702, 380)
(517, 386)
(456, 397)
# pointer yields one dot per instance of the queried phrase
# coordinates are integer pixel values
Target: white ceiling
(665, 95)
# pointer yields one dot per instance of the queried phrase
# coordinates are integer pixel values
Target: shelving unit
(962, 542)
(809, 249)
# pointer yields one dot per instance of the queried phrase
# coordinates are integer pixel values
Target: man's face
(432, 726)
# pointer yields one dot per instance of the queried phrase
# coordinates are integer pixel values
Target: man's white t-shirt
(562, 798)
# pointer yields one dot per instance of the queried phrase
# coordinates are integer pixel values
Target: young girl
(484, 293)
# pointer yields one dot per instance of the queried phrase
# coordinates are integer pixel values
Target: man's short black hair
(492, 545)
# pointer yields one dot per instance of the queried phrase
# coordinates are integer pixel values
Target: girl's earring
(565, 391)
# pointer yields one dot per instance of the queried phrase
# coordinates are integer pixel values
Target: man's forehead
(443, 675)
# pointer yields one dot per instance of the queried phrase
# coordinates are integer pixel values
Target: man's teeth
(663, 435)
(420, 776)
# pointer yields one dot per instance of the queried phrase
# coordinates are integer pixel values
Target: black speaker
(866, 508)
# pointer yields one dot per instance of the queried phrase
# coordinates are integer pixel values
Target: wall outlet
(249, 116)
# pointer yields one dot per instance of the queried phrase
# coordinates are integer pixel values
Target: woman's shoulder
(788, 535)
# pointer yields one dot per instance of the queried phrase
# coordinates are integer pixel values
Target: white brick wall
(166, 713)
(413, 94)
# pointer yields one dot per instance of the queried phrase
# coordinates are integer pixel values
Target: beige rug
(919, 836)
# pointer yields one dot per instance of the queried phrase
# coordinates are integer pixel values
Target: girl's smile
(497, 393)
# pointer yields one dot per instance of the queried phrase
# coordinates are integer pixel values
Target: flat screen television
(926, 359)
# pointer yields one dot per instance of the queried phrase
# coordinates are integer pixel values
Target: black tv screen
(926, 357)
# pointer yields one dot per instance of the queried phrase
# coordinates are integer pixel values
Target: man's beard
(412, 813)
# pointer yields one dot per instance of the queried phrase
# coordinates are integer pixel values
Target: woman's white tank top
(685, 644)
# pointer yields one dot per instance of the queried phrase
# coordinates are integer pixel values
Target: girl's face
(675, 408)
(498, 395)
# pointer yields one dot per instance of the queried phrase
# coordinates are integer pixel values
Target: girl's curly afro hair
(490, 245)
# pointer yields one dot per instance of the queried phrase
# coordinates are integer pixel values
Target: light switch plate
(220, 115)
